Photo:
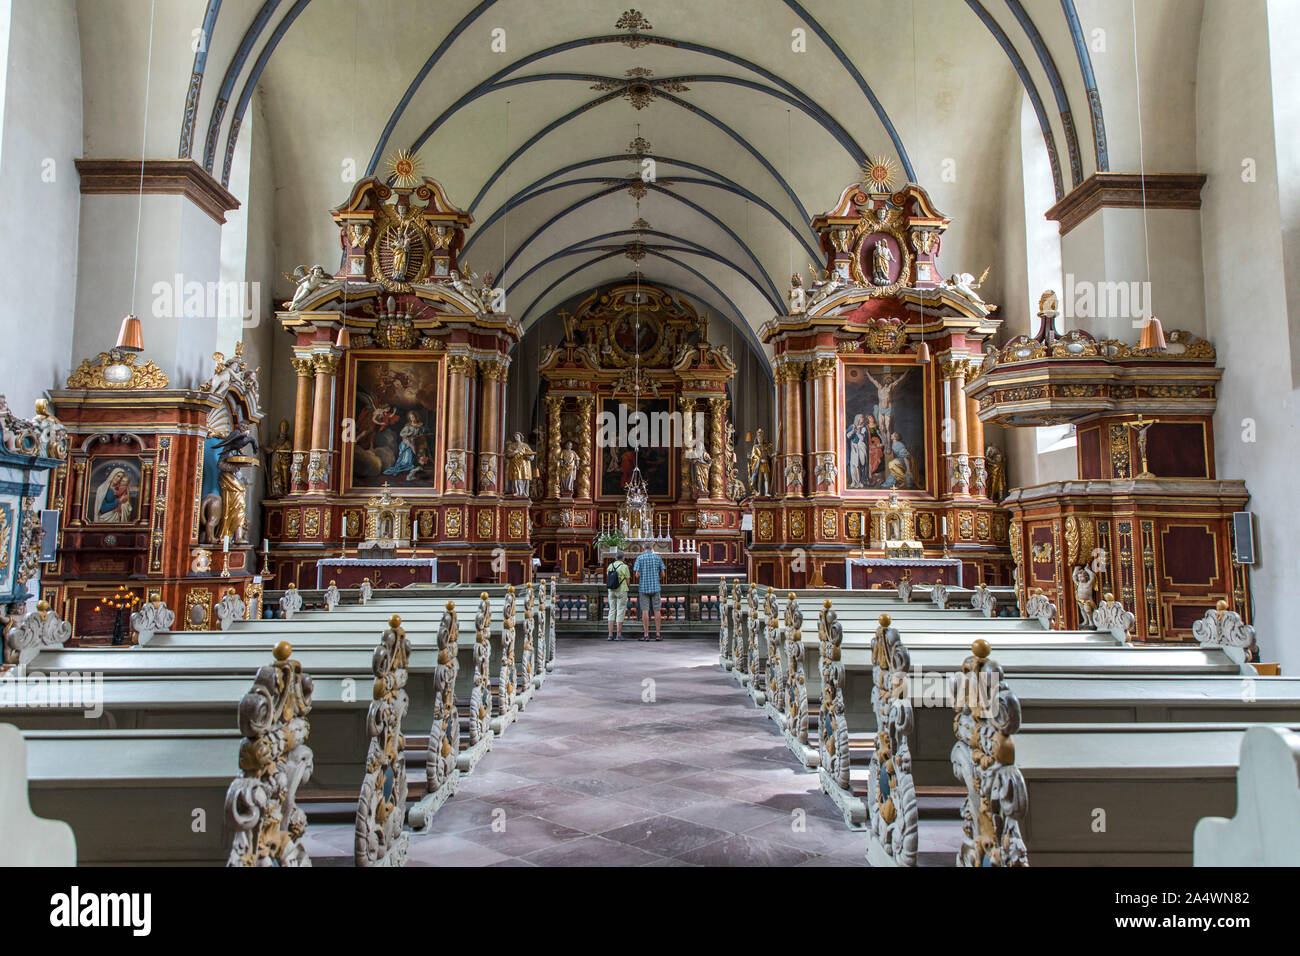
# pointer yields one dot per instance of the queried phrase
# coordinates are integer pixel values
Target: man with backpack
(616, 578)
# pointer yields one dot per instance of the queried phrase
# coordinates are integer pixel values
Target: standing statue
(519, 470)
(701, 461)
(279, 458)
(233, 488)
(760, 466)
(1083, 577)
(735, 488)
(995, 462)
(568, 467)
(798, 297)
(881, 260)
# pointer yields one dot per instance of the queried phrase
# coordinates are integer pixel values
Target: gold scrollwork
(91, 376)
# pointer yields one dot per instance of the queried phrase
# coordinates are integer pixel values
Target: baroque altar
(637, 432)
(401, 356)
(870, 361)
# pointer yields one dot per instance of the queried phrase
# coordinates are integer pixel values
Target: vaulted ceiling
(746, 118)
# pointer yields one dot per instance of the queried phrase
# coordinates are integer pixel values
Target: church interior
(913, 378)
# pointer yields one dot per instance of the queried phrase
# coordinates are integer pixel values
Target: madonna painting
(114, 491)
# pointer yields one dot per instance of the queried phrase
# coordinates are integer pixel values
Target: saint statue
(995, 462)
(760, 465)
(279, 457)
(568, 467)
(881, 260)
(701, 461)
(519, 468)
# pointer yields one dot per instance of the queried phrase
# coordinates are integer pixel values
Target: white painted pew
(1265, 830)
(136, 797)
(25, 838)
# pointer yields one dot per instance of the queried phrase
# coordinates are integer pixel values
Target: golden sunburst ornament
(880, 174)
(404, 168)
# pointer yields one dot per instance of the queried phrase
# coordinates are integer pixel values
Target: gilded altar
(401, 356)
(878, 446)
(637, 431)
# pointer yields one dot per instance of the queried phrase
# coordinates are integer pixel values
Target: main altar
(879, 456)
(638, 434)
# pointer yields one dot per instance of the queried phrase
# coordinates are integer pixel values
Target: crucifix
(1141, 425)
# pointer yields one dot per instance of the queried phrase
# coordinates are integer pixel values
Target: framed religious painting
(113, 490)
(883, 447)
(642, 437)
(394, 400)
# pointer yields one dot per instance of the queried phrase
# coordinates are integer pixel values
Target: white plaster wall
(39, 193)
(1284, 38)
(1246, 301)
(176, 238)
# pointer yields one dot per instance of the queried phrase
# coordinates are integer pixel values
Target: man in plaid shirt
(647, 569)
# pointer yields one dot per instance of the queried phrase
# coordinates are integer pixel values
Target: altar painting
(395, 411)
(884, 438)
(655, 461)
(113, 491)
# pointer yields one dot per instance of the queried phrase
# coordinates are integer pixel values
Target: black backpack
(613, 580)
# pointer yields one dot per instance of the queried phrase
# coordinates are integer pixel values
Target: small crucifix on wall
(1141, 426)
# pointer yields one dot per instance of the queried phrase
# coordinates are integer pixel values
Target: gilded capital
(826, 365)
(327, 363)
(303, 365)
(461, 365)
(788, 371)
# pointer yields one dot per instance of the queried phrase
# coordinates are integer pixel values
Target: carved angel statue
(966, 284)
(828, 284)
(52, 436)
(307, 282)
(798, 297)
(1083, 578)
(462, 282)
(493, 299)
(881, 259)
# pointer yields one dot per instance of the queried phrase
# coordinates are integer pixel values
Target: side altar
(1148, 519)
(401, 356)
(871, 363)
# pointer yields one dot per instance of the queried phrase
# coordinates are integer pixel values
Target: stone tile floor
(637, 754)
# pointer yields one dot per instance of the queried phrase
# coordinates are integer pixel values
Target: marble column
(717, 446)
(788, 480)
(319, 462)
(586, 407)
(687, 408)
(975, 436)
(302, 415)
(491, 468)
(954, 432)
(823, 372)
(461, 375)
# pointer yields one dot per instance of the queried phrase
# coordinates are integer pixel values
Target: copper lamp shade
(1153, 336)
(923, 352)
(129, 337)
(344, 340)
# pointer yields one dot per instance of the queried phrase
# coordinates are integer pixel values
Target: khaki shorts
(618, 606)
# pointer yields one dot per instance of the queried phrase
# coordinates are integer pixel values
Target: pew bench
(137, 797)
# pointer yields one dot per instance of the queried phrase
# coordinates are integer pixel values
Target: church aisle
(634, 755)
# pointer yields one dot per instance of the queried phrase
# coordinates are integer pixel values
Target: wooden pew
(380, 837)
(441, 772)
(26, 839)
(1265, 829)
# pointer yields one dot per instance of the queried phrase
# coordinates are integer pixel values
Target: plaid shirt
(648, 565)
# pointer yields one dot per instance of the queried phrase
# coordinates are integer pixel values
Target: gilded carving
(381, 806)
(275, 760)
(983, 759)
(454, 522)
(91, 376)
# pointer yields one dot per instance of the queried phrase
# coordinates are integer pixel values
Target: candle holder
(225, 564)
